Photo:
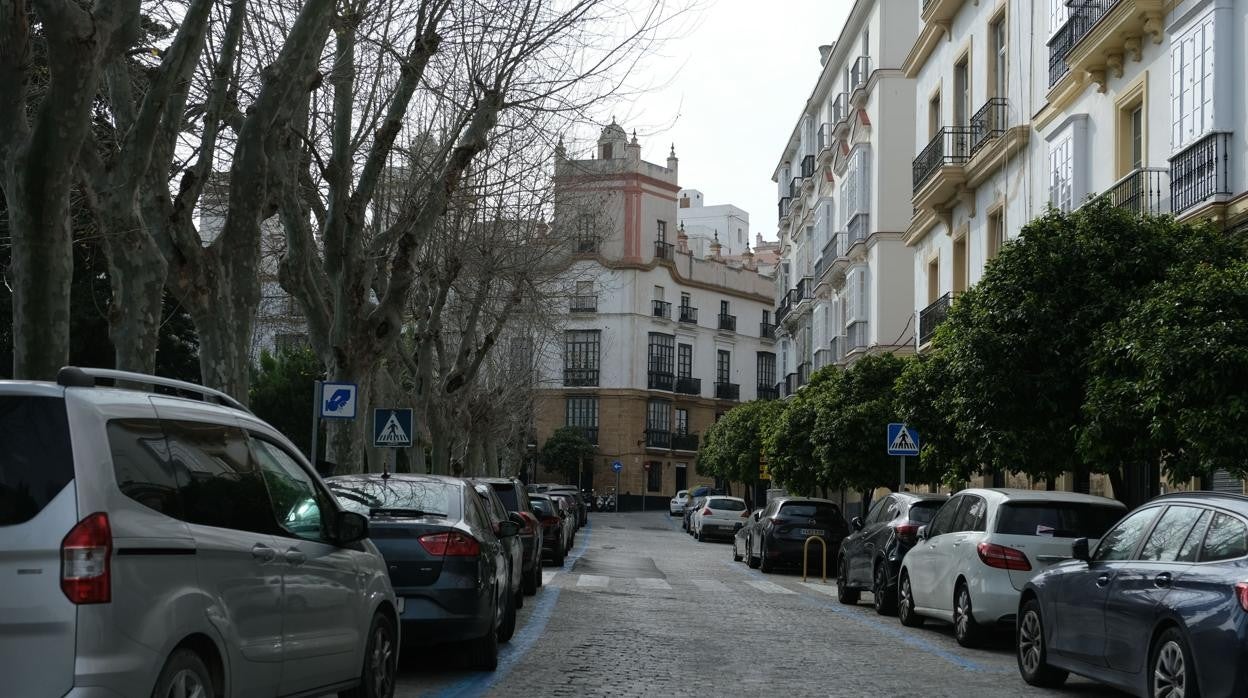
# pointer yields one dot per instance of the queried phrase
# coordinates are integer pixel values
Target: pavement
(642, 609)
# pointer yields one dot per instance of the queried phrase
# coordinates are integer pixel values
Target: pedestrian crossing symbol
(902, 440)
(392, 427)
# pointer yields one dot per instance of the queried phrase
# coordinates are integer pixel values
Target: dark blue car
(1159, 609)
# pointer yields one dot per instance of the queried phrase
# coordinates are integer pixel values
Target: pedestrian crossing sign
(902, 440)
(392, 427)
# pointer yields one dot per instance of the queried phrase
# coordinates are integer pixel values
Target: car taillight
(454, 544)
(1003, 558)
(745, 514)
(908, 532)
(776, 521)
(86, 572)
(1241, 590)
(706, 511)
(549, 521)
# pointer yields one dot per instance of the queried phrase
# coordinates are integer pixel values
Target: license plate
(400, 603)
(809, 532)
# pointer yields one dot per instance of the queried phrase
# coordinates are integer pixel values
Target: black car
(582, 508)
(516, 501)
(871, 556)
(448, 565)
(567, 502)
(1160, 608)
(515, 549)
(779, 536)
(554, 536)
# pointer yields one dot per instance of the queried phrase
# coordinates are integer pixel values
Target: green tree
(732, 446)
(921, 391)
(282, 389)
(786, 439)
(565, 450)
(1169, 381)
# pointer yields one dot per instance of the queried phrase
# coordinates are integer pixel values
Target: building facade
(659, 341)
(704, 225)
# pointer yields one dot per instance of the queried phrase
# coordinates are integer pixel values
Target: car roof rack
(78, 377)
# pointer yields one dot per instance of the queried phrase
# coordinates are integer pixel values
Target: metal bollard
(805, 552)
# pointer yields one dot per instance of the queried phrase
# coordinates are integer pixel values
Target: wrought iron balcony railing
(664, 250)
(931, 317)
(766, 330)
(808, 166)
(805, 290)
(659, 380)
(856, 336)
(783, 206)
(795, 188)
(580, 377)
(727, 391)
(860, 73)
(661, 309)
(767, 392)
(585, 304)
(658, 438)
(783, 309)
(1144, 191)
(988, 123)
(586, 245)
(1083, 16)
(728, 322)
(689, 386)
(1200, 171)
(951, 146)
(688, 313)
(684, 442)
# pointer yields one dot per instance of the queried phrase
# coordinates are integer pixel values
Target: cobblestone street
(642, 609)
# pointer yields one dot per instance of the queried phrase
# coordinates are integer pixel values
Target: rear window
(507, 493)
(810, 510)
(924, 512)
(36, 461)
(544, 507)
(364, 495)
(1057, 519)
(726, 505)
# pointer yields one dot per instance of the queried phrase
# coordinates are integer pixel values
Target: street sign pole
(617, 491)
(317, 394)
(901, 486)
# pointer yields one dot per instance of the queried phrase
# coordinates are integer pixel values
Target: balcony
(836, 346)
(988, 123)
(783, 309)
(859, 227)
(585, 304)
(727, 391)
(766, 330)
(931, 317)
(660, 380)
(728, 322)
(664, 250)
(1144, 191)
(949, 149)
(808, 166)
(804, 291)
(803, 373)
(856, 336)
(684, 442)
(586, 245)
(590, 433)
(688, 313)
(790, 384)
(689, 386)
(580, 377)
(795, 189)
(661, 309)
(840, 111)
(859, 75)
(1103, 34)
(767, 392)
(657, 438)
(823, 357)
(783, 207)
(1200, 172)
(825, 140)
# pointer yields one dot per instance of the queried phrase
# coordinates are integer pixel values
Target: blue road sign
(338, 400)
(902, 440)
(617, 466)
(392, 427)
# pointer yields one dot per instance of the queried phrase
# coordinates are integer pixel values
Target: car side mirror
(507, 529)
(856, 523)
(517, 517)
(922, 532)
(1079, 550)
(758, 516)
(350, 527)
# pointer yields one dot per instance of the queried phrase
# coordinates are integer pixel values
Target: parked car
(677, 505)
(693, 504)
(984, 545)
(719, 517)
(447, 563)
(555, 532)
(779, 537)
(582, 507)
(1160, 608)
(568, 504)
(741, 539)
(516, 501)
(151, 539)
(515, 548)
(871, 556)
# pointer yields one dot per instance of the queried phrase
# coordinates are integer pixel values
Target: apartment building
(659, 341)
(844, 284)
(705, 225)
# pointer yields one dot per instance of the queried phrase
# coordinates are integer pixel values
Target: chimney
(824, 52)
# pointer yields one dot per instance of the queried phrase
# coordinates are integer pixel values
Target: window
(662, 231)
(654, 477)
(581, 357)
(659, 416)
(682, 421)
(995, 234)
(141, 464)
(224, 487)
(1056, 519)
(866, 42)
(766, 317)
(1059, 12)
(35, 457)
(363, 495)
(581, 411)
(1170, 533)
(686, 301)
(659, 293)
(972, 515)
(961, 262)
(1120, 543)
(1137, 137)
(684, 361)
(586, 239)
(724, 308)
(1227, 539)
(1000, 59)
(962, 92)
(766, 365)
(933, 280)
(933, 115)
(877, 510)
(1191, 546)
(1191, 84)
(662, 350)
(302, 509)
(723, 366)
(1061, 175)
(943, 521)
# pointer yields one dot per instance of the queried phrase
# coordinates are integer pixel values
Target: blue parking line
(510, 654)
(888, 629)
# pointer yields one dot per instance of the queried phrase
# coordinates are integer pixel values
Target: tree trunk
(42, 270)
(224, 343)
(491, 458)
(137, 273)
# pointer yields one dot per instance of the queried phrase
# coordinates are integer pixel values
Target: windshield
(364, 495)
(1057, 519)
(726, 505)
(810, 510)
(923, 512)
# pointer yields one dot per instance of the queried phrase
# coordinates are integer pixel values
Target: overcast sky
(735, 84)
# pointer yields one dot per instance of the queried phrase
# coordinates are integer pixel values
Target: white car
(984, 545)
(677, 505)
(719, 516)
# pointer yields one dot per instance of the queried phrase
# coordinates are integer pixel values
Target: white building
(705, 224)
(659, 341)
(845, 281)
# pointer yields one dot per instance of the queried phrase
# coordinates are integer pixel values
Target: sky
(728, 92)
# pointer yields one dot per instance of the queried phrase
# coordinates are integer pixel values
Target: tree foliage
(565, 450)
(282, 389)
(731, 448)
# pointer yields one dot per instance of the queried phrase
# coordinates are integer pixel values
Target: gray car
(153, 545)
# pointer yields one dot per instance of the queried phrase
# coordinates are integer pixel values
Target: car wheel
(381, 657)
(520, 596)
(1031, 651)
(966, 631)
(736, 556)
(750, 559)
(533, 579)
(885, 600)
(905, 604)
(508, 628)
(185, 676)
(844, 594)
(764, 563)
(560, 554)
(483, 652)
(701, 538)
(1173, 674)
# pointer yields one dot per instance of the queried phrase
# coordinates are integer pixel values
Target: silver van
(175, 545)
